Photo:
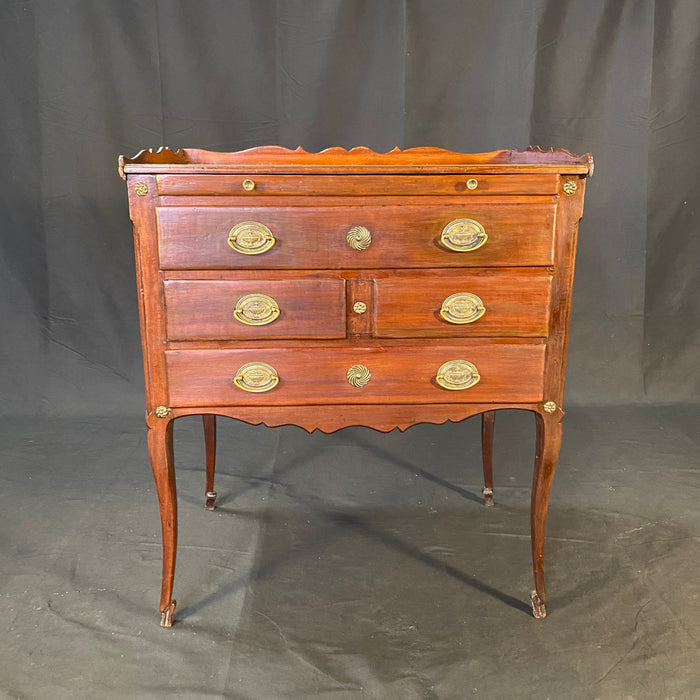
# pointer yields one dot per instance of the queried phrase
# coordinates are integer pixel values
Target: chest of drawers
(354, 288)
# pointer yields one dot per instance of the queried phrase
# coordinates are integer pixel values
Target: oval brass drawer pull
(462, 307)
(251, 238)
(359, 238)
(457, 375)
(358, 375)
(256, 310)
(256, 377)
(463, 235)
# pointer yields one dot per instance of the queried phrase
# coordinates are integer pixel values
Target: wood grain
(203, 310)
(315, 237)
(317, 375)
(408, 304)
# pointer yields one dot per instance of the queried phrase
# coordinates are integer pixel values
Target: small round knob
(248, 185)
(472, 183)
(359, 307)
(358, 375)
(359, 238)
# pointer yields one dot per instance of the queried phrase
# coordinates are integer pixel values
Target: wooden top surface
(276, 159)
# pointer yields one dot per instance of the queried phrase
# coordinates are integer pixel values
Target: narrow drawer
(509, 372)
(240, 309)
(441, 303)
(343, 185)
(445, 234)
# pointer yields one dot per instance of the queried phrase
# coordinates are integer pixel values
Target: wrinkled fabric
(83, 82)
(358, 565)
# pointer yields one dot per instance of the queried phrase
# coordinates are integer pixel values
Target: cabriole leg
(160, 451)
(549, 431)
(487, 424)
(210, 451)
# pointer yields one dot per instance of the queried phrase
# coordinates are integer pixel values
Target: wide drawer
(352, 237)
(445, 303)
(508, 372)
(239, 309)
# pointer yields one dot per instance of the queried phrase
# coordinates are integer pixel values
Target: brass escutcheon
(457, 375)
(358, 375)
(359, 307)
(256, 310)
(359, 238)
(462, 307)
(463, 235)
(256, 377)
(251, 238)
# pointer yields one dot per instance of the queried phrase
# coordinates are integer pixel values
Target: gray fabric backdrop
(83, 81)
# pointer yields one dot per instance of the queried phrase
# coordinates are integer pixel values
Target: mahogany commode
(354, 288)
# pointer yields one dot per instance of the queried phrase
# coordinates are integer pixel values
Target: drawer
(239, 309)
(508, 371)
(442, 303)
(342, 185)
(391, 235)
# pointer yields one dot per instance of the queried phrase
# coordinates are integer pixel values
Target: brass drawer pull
(256, 377)
(256, 310)
(462, 307)
(358, 375)
(457, 375)
(463, 235)
(359, 238)
(248, 185)
(251, 238)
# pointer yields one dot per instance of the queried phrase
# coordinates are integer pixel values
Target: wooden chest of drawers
(354, 288)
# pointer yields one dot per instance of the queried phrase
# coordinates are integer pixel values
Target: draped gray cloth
(84, 81)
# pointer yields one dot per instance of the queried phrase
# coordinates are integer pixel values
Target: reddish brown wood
(549, 432)
(327, 419)
(309, 308)
(160, 450)
(488, 419)
(271, 159)
(367, 185)
(315, 237)
(317, 375)
(516, 302)
(183, 205)
(209, 422)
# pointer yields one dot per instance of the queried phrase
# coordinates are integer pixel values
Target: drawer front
(509, 372)
(240, 309)
(441, 303)
(323, 185)
(495, 234)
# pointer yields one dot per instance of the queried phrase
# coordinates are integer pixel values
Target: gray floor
(355, 565)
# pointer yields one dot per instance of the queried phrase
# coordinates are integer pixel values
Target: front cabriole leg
(549, 431)
(160, 451)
